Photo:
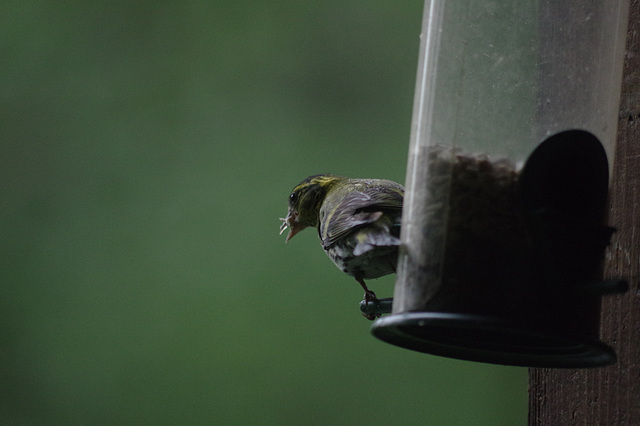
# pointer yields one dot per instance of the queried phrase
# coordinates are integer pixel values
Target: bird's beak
(291, 222)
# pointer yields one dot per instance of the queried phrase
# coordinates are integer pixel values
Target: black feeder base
(491, 340)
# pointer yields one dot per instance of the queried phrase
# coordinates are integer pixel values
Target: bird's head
(305, 201)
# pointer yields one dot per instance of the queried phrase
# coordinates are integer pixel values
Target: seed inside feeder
(475, 234)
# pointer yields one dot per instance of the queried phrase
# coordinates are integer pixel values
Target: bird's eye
(293, 197)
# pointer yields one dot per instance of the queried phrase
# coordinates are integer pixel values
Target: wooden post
(609, 395)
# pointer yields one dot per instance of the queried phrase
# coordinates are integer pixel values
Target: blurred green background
(147, 152)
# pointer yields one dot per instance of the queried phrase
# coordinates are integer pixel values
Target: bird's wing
(358, 205)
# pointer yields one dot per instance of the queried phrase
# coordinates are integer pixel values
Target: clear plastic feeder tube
(496, 78)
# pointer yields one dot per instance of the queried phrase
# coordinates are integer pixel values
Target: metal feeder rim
(492, 340)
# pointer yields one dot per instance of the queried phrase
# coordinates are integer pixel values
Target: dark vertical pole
(609, 395)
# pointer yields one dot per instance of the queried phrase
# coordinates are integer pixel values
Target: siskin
(358, 222)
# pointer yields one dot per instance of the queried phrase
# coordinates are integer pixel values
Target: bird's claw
(371, 317)
(370, 296)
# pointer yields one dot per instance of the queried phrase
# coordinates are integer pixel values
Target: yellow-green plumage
(358, 222)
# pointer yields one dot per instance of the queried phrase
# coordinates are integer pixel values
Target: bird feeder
(504, 220)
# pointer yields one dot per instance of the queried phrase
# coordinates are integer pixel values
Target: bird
(358, 222)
